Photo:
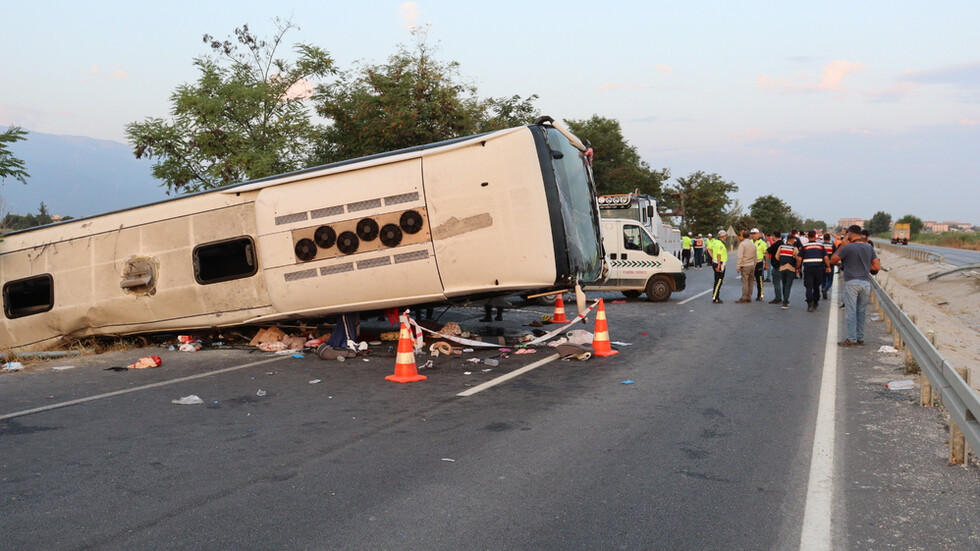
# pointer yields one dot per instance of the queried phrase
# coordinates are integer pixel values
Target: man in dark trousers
(719, 257)
(773, 253)
(815, 265)
(860, 262)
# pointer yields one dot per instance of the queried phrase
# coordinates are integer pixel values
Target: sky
(840, 108)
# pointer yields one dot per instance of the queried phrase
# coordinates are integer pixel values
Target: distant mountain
(78, 176)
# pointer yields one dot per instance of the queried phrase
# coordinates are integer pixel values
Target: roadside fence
(943, 384)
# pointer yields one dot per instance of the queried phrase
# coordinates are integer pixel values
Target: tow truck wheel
(658, 289)
(631, 294)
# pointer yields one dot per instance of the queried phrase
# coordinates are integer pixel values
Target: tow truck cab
(638, 263)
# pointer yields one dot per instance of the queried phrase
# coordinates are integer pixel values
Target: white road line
(817, 532)
(701, 294)
(136, 389)
(511, 375)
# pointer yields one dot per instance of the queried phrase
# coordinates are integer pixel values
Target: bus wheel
(658, 289)
(631, 294)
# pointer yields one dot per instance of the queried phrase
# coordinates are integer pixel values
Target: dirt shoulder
(950, 306)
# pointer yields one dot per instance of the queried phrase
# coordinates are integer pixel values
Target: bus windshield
(578, 207)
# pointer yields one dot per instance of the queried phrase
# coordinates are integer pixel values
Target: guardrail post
(910, 365)
(957, 442)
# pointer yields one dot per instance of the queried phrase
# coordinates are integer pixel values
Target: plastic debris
(12, 366)
(147, 362)
(298, 355)
(619, 343)
(580, 336)
(885, 349)
(314, 381)
(190, 347)
(62, 368)
(191, 400)
(627, 382)
(261, 392)
(900, 385)
(449, 460)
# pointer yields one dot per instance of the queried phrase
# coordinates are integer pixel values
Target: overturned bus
(505, 212)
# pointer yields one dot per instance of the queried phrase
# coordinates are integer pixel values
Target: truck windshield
(578, 207)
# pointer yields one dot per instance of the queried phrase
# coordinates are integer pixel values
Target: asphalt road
(697, 435)
(956, 257)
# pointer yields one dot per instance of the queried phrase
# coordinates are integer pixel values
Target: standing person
(709, 245)
(860, 261)
(789, 260)
(745, 264)
(815, 265)
(758, 239)
(829, 246)
(686, 250)
(773, 253)
(698, 251)
(719, 256)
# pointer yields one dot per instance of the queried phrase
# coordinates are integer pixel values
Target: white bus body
(500, 213)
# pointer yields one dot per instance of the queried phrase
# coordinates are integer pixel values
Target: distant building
(845, 223)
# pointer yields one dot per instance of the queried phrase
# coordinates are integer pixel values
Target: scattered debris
(620, 343)
(116, 368)
(901, 385)
(146, 362)
(261, 393)
(191, 400)
(12, 366)
(449, 460)
(315, 381)
(885, 349)
(62, 368)
(627, 382)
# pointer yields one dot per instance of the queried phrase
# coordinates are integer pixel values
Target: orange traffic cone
(600, 343)
(405, 369)
(559, 316)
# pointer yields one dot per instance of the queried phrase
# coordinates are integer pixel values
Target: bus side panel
(489, 216)
(376, 274)
(87, 263)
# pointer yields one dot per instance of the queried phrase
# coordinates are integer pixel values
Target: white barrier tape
(542, 338)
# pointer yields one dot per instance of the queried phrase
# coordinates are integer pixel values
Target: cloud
(890, 93)
(94, 73)
(410, 14)
(831, 79)
(664, 69)
(967, 121)
(966, 75)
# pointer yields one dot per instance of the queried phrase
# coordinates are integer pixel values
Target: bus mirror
(653, 249)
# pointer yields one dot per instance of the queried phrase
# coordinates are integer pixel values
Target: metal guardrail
(952, 389)
(910, 252)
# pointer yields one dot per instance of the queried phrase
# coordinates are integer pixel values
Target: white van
(637, 262)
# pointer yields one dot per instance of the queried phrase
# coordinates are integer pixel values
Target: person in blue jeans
(860, 263)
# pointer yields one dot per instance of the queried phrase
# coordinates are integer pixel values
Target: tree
(772, 214)
(811, 224)
(245, 117)
(880, 223)
(10, 166)
(914, 222)
(705, 201)
(616, 165)
(411, 100)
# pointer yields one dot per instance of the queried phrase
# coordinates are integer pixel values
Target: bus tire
(658, 289)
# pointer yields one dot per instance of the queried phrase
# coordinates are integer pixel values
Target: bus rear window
(224, 260)
(31, 295)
